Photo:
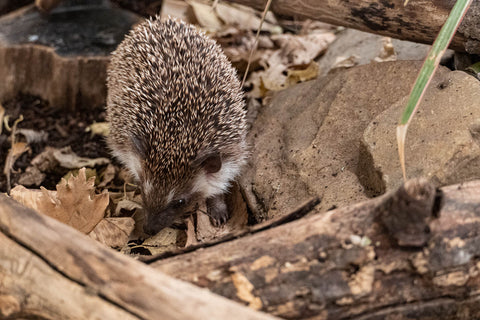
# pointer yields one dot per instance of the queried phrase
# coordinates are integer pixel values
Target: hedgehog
(177, 120)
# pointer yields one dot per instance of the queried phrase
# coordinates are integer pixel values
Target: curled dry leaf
(165, 240)
(113, 232)
(33, 136)
(15, 151)
(346, 62)
(176, 8)
(297, 52)
(191, 238)
(68, 159)
(31, 177)
(244, 18)
(99, 128)
(128, 205)
(50, 158)
(74, 203)
(107, 176)
(45, 161)
(238, 220)
(206, 16)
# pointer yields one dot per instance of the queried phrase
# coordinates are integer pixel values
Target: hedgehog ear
(212, 163)
(139, 145)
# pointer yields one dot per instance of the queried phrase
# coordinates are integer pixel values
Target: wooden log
(419, 21)
(62, 59)
(412, 252)
(51, 271)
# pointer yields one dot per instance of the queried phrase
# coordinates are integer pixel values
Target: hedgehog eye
(179, 203)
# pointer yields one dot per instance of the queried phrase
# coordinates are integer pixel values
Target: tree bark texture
(51, 271)
(411, 254)
(419, 21)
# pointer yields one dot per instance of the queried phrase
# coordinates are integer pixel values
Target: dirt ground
(64, 128)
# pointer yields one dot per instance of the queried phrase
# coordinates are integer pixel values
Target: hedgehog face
(161, 211)
(209, 177)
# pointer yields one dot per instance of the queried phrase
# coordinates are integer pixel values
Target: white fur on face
(131, 161)
(218, 182)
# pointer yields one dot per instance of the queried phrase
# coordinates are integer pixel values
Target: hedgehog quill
(177, 119)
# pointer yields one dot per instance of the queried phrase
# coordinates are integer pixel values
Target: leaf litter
(65, 152)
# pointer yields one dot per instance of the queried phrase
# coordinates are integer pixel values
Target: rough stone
(366, 47)
(306, 141)
(442, 141)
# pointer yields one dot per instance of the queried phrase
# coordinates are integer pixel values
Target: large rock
(305, 142)
(442, 140)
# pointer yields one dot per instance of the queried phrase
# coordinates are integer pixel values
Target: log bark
(50, 271)
(412, 253)
(419, 21)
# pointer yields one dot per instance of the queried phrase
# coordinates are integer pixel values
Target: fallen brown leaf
(74, 203)
(165, 240)
(113, 232)
(31, 177)
(99, 128)
(68, 159)
(107, 176)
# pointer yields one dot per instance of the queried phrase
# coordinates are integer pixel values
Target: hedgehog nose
(150, 230)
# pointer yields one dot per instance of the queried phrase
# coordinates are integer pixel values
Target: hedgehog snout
(156, 221)
(159, 216)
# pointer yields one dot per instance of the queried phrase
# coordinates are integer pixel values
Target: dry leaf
(191, 237)
(32, 176)
(15, 151)
(243, 18)
(165, 240)
(128, 205)
(107, 176)
(295, 51)
(89, 173)
(176, 8)
(113, 232)
(74, 203)
(238, 220)
(303, 74)
(33, 136)
(68, 159)
(45, 161)
(345, 62)
(99, 128)
(206, 16)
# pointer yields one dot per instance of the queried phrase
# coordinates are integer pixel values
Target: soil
(64, 128)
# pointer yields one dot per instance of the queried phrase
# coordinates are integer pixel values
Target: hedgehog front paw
(217, 210)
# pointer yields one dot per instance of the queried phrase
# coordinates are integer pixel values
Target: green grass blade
(426, 73)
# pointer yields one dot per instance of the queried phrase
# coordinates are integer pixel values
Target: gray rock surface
(442, 140)
(308, 140)
(366, 47)
(305, 142)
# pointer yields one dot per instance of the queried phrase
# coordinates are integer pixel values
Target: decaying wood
(50, 271)
(412, 252)
(419, 21)
(296, 214)
(71, 77)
